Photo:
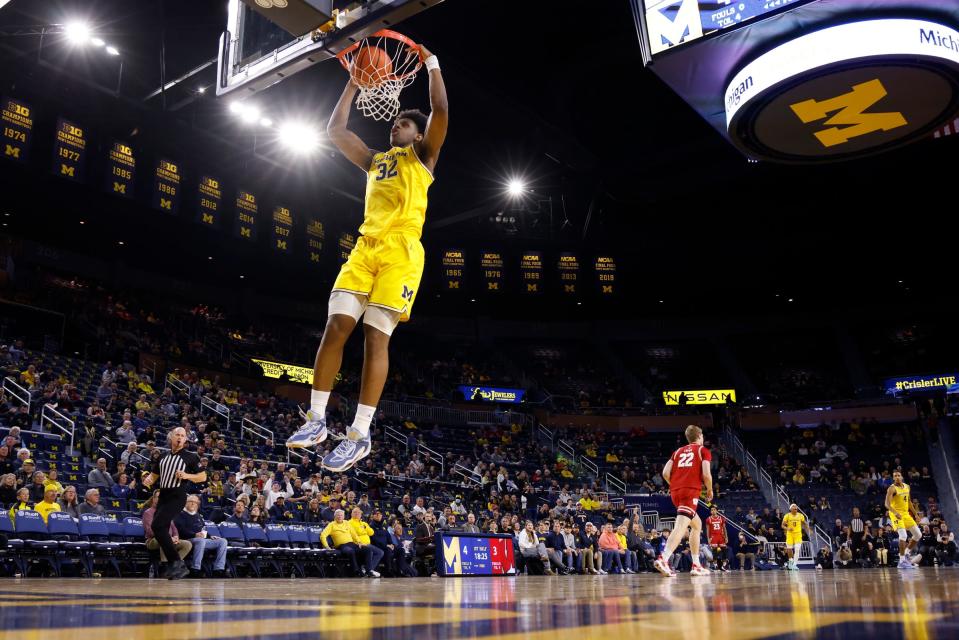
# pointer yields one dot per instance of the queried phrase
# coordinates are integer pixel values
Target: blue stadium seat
(63, 529)
(38, 547)
(238, 553)
(94, 529)
(283, 554)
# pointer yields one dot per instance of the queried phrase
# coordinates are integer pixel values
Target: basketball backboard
(267, 41)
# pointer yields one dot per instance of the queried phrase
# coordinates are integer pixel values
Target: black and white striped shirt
(167, 466)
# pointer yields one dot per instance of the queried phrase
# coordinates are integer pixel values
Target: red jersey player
(686, 472)
(718, 540)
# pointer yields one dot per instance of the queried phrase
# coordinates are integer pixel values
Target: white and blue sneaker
(312, 433)
(353, 448)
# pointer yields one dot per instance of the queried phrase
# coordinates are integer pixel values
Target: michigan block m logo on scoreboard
(850, 109)
(666, 31)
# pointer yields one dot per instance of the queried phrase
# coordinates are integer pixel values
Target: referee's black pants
(171, 503)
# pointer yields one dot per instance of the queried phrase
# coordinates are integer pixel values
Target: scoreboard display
(70, 151)
(531, 271)
(315, 235)
(492, 265)
(209, 201)
(282, 229)
(121, 170)
(166, 186)
(17, 129)
(568, 267)
(454, 268)
(246, 210)
(606, 275)
(466, 554)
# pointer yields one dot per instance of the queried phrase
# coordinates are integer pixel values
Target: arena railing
(446, 415)
(589, 466)
(17, 391)
(567, 449)
(256, 430)
(433, 456)
(215, 407)
(467, 474)
(614, 484)
(50, 415)
(545, 435)
(176, 383)
(395, 434)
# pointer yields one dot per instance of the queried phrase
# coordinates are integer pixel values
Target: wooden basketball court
(916, 605)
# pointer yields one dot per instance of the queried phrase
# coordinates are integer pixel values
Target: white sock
(318, 400)
(364, 416)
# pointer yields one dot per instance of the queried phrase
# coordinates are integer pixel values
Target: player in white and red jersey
(686, 472)
(718, 538)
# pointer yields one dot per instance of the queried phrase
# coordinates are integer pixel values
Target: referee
(172, 470)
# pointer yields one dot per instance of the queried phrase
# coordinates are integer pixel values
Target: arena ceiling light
(299, 137)
(77, 32)
(516, 187)
(97, 42)
(113, 51)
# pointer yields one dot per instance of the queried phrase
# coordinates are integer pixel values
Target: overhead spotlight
(516, 187)
(250, 115)
(201, 90)
(298, 137)
(236, 107)
(77, 32)
(113, 51)
(97, 42)
(266, 122)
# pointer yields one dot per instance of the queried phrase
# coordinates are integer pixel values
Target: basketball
(370, 66)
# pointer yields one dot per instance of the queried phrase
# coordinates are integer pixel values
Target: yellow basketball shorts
(386, 270)
(905, 522)
(793, 539)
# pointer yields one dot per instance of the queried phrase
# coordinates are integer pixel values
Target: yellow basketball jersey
(396, 186)
(793, 523)
(900, 501)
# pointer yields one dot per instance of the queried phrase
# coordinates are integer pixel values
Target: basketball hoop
(381, 65)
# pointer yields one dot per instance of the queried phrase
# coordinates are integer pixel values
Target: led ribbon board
(845, 91)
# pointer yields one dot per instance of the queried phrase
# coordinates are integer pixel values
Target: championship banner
(606, 275)
(209, 201)
(907, 384)
(282, 229)
(246, 210)
(17, 129)
(492, 264)
(166, 186)
(492, 394)
(454, 267)
(346, 243)
(69, 151)
(315, 236)
(711, 396)
(279, 369)
(465, 554)
(568, 267)
(531, 271)
(121, 170)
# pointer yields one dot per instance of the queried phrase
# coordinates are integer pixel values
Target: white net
(381, 82)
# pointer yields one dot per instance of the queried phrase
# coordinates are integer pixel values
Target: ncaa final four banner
(246, 210)
(209, 202)
(17, 129)
(166, 186)
(454, 269)
(315, 237)
(346, 242)
(491, 263)
(120, 174)
(70, 151)
(531, 272)
(606, 275)
(282, 229)
(568, 268)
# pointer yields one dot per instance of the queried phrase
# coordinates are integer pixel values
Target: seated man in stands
(100, 477)
(239, 516)
(824, 558)
(191, 526)
(48, 504)
(423, 537)
(37, 486)
(372, 554)
(344, 540)
(748, 550)
(91, 503)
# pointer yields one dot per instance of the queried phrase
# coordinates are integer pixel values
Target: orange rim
(382, 33)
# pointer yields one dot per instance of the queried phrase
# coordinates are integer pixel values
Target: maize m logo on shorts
(407, 293)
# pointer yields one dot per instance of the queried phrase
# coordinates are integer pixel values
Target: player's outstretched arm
(708, 480)
(345, 140)
(429, 149)
(889, 494)
(667, 470)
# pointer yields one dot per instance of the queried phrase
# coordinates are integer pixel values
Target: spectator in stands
(844, 557)
(823, 558)
(946, 545)
(423, 537)
(636, 543)
(240, 514)
(27, 469)
(6, 459)
(328, 514)
(121, 489)
(126, 434)
(569, 538)
(344, 540)
(564, 559)
(927, 545)
(589, 546)
(370, 553)
(129, 454)
(22, 502)
(611, 551)
(48, 504)
(748, 550)
(91, 503)
(36, 487)
(531, 547)
(191, 526)
(21, 418)
(183, 547)
(401, 565)
(68, 501)
(51, 480)
(273, 490)
(281, 511)
(100, 477)
(8, 490)
(470, 526)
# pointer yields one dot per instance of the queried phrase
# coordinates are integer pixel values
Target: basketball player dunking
(382, 275)
(686, 472)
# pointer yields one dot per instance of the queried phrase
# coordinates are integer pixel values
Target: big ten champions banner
(246, 209)
(454, 269)
(606, 275)
(492, 265)
(121, 171)
(17, 129)
(166, 186)
(531, 271)
(568, 267)
(315, 237)
(282, 229)
(209, 202)
(69, 151)
(346, 242)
